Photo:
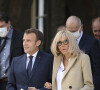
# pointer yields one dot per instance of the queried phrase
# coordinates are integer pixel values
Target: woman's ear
(38, 43)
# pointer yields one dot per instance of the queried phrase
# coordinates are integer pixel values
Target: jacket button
(70, 87)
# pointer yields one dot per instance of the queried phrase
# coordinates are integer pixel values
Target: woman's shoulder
(84, 57)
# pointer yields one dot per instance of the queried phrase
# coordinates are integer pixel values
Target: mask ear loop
(79, 28)
(9, 28)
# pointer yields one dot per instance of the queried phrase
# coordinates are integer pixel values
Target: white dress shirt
(78, 40)
(60, 75)
(33, 60)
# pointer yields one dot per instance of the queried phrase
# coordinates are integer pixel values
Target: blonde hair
(73, 49)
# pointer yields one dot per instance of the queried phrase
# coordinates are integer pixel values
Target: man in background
(10, 46)
(87, 44)
(96, 28)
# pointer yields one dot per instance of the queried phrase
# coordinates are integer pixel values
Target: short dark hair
(4, 17)
(39, 35)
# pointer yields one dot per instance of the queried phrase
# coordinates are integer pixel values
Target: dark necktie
(29, 68)
(2, 44)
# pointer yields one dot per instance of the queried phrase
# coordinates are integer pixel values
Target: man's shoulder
(17, 33)
(17, 36)
(18, 58)
(45, 54)
(88, 39)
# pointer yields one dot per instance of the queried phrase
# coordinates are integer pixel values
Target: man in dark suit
(10, 46)
(31, 73)
(87, 44)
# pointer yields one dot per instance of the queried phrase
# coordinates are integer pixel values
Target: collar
(62, 65)
(10, 33)
(34, 55)
(78, 40)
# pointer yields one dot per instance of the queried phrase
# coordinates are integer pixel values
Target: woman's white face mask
(77, 33)
(3, 32)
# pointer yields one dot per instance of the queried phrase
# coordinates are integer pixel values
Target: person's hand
(48, 85)
(32, 88)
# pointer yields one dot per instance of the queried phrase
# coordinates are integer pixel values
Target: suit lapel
(24, 65)
(81, 43)
(36, 63)
(12, 44)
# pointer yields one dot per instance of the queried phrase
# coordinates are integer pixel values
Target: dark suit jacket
(91, 47)
(16, 48)
(41, 72)
(99, 41)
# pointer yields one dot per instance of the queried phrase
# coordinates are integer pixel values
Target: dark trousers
(3, 85)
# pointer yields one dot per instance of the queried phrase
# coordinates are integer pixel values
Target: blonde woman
(71, 67)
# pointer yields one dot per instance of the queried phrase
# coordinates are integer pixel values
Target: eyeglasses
(65, 42)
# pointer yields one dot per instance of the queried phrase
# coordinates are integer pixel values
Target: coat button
(70, 87)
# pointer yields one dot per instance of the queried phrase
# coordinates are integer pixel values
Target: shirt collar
(34, 55)
(62, 65)
(78, 40)
(10, 33)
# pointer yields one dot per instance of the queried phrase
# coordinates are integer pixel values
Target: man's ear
(38, 43)
(9, 26)
(82, 27)
(9, 23)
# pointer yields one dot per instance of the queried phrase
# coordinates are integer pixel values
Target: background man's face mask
(3, 32)
(77, 33)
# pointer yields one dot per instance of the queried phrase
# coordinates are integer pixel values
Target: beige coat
(77, 75)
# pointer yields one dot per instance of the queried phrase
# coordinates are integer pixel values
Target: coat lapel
(81, 42)
(37, 60)
(24, 65)
(12, 44)
(56, 64)
(70, 64)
